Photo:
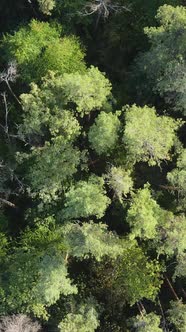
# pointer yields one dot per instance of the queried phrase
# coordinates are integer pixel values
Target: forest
(92, 166)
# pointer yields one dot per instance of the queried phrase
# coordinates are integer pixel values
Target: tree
(57, 162)
(163, 66)
(33, 47)
(146, 323)
(92, 239)
(177, 178)
(103, 134)
(177, 315)
(36, 272)
(141, 279)
(46, 6)
(84, 319)
(120, 181)
(144, 214)
(88, 91)
(147, 136)
(85, 199)
(171, 238)
(18, 323)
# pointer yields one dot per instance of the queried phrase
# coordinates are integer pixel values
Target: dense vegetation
(93, 166)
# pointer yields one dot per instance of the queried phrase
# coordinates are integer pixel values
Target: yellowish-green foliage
(92, 239)
(44, 110)
(147, 136)
(85, 199)
(144, 214)
(84, 319)
(136, 276)
(171, 234)
(88, 91)
(146, 323)
(177, 315)
(164, 64)
(46, 6)
(38, 48)
(36, 272)
(103, 135)
(120, 181)
(177, 178)
(57, 162)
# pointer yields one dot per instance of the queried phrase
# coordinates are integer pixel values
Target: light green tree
(51, 168)
(91, 239)
(177, 315)
(147, 136)
(171, 238)
(33, 47)
(85, 199)
(144, 214)
(84, 319)
(46, 6)
(136, 276)
(146, 323)
(44, 110)
(36, 272)
(162, 68)
(120, 181)
(103, 134)
(177, 178)
(88, 91)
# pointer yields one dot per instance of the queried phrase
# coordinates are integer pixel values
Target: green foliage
(177, 178)
(146, 323)
(177, 315)
(33, 47)
(136, 276)
(120, 181)
(44, 111)
(164, 64)
(46, 6)
(103, 135)
(57, 162)
(147, 136)
(85, 319)
(91, 239)
(36, 272)
(143, 215)
(180, 270)
(171, 237)
(86, 199)
(88, 91)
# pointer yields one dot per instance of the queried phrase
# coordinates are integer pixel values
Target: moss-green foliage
(120, 181)
(46, 6)
(34, 46)
(177, 178)
(164, 64)
(57, 162)
(88, 91)
(85, 199)
(36, 272)
(143, 215)
(146, 323)
(92, 239)
(84, 319)
(137, 276)
(103, 134)
(44, 110)
(171, 237)
(147, 136)
(177, 315)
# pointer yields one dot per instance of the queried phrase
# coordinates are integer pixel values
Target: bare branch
(103, 8)
(10, 75)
